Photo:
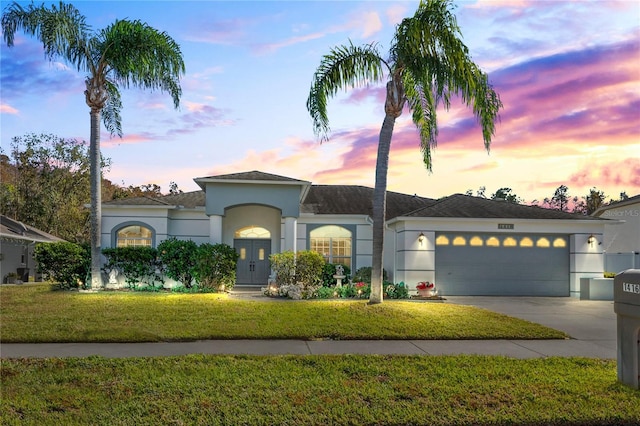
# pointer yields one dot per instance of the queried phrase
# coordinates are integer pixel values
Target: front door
(253, 263)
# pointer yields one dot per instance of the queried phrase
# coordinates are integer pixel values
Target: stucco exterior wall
(622, 237)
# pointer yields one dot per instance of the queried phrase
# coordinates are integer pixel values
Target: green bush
(179, 259)
(63, 262)
(298, 276)
(216, 266)
(309, 267)
(395, 291)
(609, 274)
(137, 264)
(364, 274)
(284, 266)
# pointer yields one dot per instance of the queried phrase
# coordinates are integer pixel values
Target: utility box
(626, 304)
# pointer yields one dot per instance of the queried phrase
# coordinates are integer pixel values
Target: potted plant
(11, 278)
(425, 288)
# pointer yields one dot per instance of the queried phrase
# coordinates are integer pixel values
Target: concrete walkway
(591, 324)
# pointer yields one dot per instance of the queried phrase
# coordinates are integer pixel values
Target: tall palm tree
(427, 64)
(126, 53)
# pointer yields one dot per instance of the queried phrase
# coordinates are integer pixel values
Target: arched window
(252, 232)
(134, 236)
(442, 240)
(333, 242)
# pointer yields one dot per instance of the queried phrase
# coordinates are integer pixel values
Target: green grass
(315, 390)
(34, 313)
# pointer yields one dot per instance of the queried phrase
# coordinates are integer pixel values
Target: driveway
(590, 321)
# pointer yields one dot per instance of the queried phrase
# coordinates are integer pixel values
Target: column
(215, 229)
(290, 234)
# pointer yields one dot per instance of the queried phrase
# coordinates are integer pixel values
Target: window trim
(120, 226)
(350, 228)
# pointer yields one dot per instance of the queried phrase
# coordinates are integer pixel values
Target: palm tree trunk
(380, 207)
(96, 201)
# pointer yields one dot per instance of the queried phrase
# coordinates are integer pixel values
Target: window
(134, 236)
(252, 232)
(442, 240)
(333, 243)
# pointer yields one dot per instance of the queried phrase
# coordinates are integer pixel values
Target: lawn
(35, 313)
(315, 390)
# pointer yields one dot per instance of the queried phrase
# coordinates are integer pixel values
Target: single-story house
(466, 245)
(621, 240)
(17, 242)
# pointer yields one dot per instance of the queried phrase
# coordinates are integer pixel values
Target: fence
(617, 262)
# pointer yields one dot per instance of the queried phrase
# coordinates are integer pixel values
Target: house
(621, 239)
(467, 245)
(17, 242)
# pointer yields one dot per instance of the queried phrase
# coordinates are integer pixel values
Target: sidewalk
(591, 324)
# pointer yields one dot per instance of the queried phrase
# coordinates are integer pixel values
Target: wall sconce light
(421, 238)
(591, 240)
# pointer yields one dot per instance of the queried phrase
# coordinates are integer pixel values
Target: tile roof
(253, 175)
(187, 199)
(352, 199)
(459, 205)
(15, 230)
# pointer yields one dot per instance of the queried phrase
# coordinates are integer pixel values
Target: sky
(567, 72)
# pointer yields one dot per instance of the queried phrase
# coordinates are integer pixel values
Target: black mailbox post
(626, 297)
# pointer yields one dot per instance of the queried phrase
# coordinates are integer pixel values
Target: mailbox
(626, 304)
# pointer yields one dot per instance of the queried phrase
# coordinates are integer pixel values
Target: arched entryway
(253, 245)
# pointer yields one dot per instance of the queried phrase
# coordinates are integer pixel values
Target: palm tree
(427, 64)
(126, 53)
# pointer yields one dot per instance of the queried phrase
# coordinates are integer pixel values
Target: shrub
(309, 267)
(178, 258)
(298, 276)
(364, 274)
(395, 291)
(215, 266)
(609, 274)
(64, 262)
(284, 266)
(137, 264)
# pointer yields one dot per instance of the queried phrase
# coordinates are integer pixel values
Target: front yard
(315, 390)
(309, 390)
(34, 313)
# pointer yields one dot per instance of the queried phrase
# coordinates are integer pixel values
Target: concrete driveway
(592, 322)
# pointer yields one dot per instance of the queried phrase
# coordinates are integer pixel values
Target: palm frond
(344, 67)
(62, 30)
(135, 54)
(429, 46)
(111, 111)
(423, 106)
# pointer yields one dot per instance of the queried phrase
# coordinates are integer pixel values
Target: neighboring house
(467, 245)
(621, 242)
(17, 242)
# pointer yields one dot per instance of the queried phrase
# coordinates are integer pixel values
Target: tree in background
(560, 199)
(427, 64)
(506, 195)
(125, 53)
(46, 184)
(479, 193)
(590, 202)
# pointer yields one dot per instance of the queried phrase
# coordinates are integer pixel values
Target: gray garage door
(477, 264)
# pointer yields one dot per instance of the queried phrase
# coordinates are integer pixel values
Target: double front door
(253, 261)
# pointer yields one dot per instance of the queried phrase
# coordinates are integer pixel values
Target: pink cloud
(8, 109)
(128, 139)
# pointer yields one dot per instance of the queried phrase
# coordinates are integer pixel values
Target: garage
(486, 264)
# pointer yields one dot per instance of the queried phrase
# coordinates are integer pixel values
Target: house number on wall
(505, 226)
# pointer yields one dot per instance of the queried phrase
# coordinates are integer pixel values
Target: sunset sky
(568, 73)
